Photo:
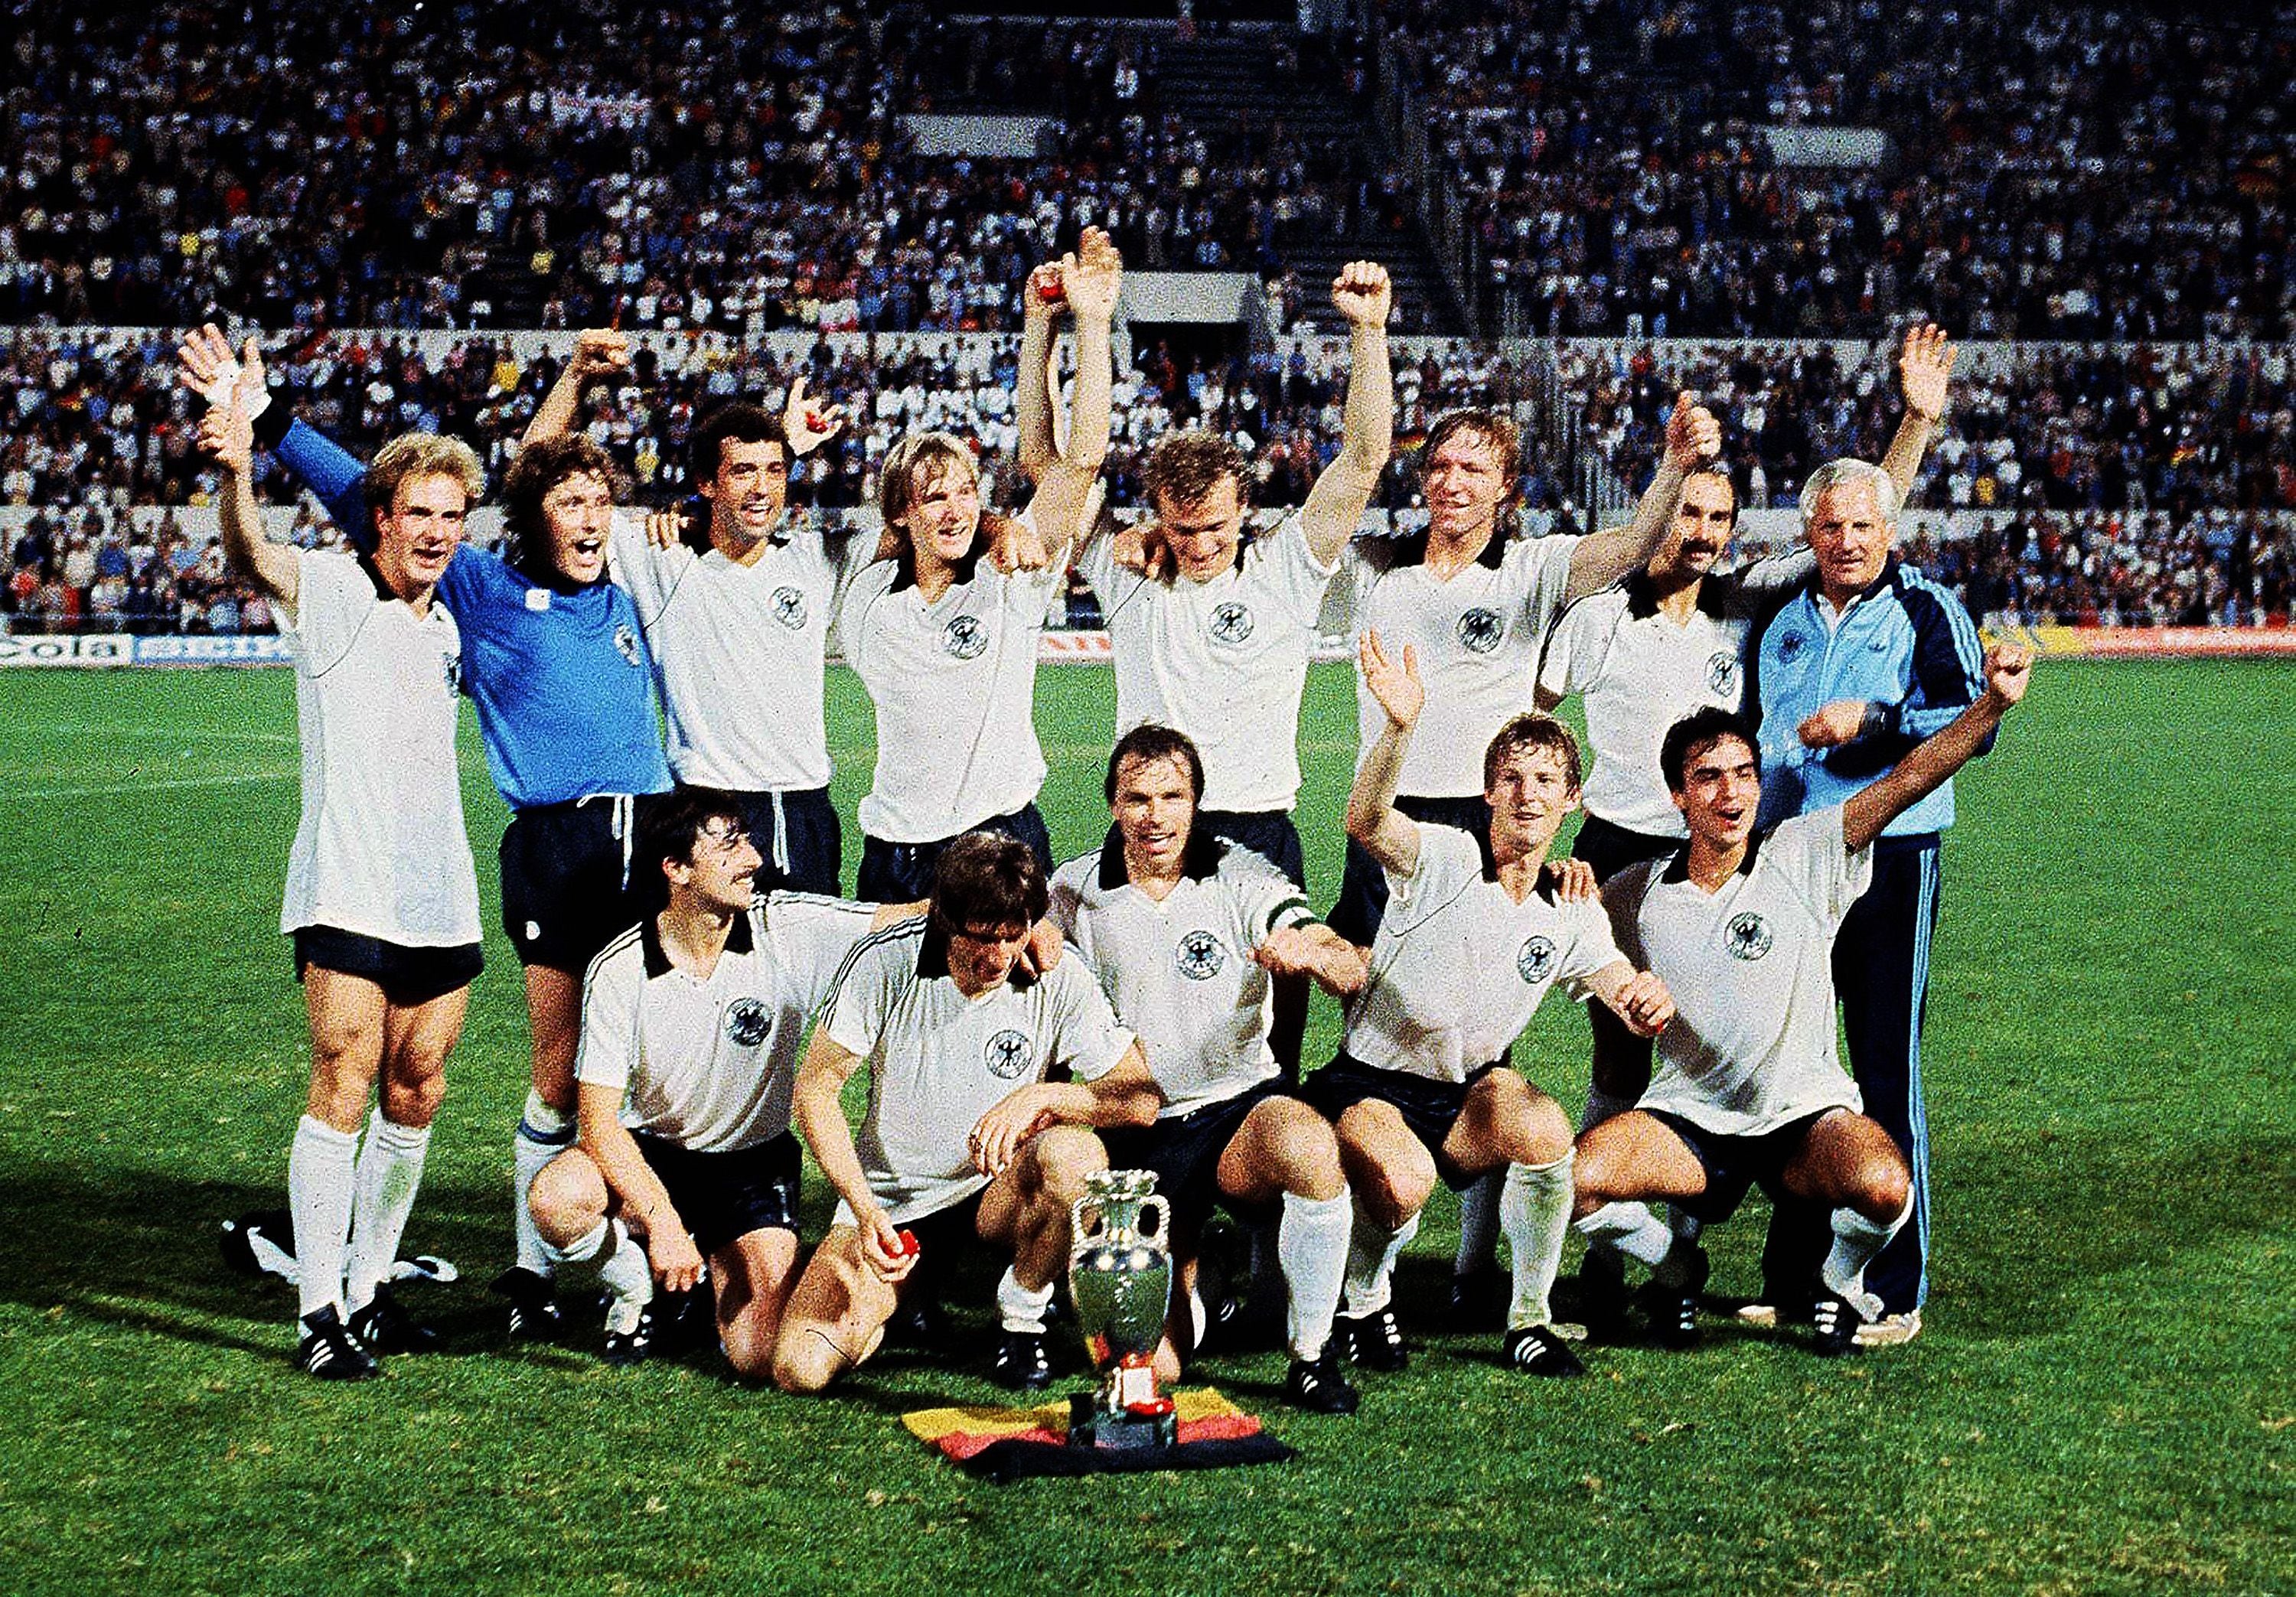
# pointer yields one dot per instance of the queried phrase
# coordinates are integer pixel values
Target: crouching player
(690, 1026)
(1749, 1087)
(965, 1136)
(1185, 929)
(1471, 940)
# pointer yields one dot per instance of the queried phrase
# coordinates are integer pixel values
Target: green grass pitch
(2105, 1402)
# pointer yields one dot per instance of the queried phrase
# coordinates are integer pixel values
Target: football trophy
(1121, 1281)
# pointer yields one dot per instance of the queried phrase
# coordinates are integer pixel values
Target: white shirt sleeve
(1266, 895)
(330, 591)
(1287, 565)
(1591, 948)
(1085, 1035)
(864, 1000)
(813, 937)
(1817, 860)
(611, 998)
(1622, 903)
(1065, 896)
(1448, 860)
(1577, 647)
(1540, 567)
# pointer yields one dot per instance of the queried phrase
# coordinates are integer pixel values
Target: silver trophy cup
(1121, 1281)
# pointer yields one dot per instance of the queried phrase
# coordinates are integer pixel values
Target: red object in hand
(814, 421)
(1050, 291)
(910, 1248)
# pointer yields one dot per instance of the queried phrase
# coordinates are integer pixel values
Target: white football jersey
(1180, 972)
(710, 1064)
(939, 1060)
(737, 653)
(955, 683)
(1459, 967)
(381, 849)
(1751, 1045)
(1478, 636)
(1223, 661)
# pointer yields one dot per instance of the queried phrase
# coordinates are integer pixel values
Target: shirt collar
(1200, 861)
(739, 939)
(1677, 869)
(1891, 577)
(904, 566)
(382, 590)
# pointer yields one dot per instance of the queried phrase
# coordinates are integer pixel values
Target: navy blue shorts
(1735, 1164)
(1183, 1151)
(903, 872)
(408, 977)
(1431, 1108)
(796, 834)
(724, 1197)
(565, 881)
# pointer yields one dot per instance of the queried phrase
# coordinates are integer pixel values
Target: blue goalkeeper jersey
(559, 674)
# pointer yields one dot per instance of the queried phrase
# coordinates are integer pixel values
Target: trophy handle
(1077, 1230)
(1162, 1208)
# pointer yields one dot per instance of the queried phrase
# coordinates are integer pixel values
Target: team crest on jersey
(626, 644)
(789, 608)
(1746, 937)
(1200, 956)
(1789, 647)
(1480, 630)
(1232, 623)
(1722, 675)
(964, 638)
(747, 1022)
(1007, 1054)
(1535, 961)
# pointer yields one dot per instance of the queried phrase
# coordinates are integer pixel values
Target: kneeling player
(1184, 930)
(690, 1023)
(1749, 1087)
(964, 1135)
(1470, 942)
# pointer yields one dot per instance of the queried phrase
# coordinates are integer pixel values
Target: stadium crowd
(2053, 173)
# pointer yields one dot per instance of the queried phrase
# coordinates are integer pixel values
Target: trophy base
(1092, 1425)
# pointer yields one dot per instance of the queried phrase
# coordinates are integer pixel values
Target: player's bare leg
(754, 1275)
(1027, 1209)
(347, 1035)
(1506, 1121)
(836, 1317)
(416, 1039)
(1620, 1164)
(573, 1215)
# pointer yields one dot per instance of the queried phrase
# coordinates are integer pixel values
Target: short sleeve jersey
(1478, 636)
(1459, 967)
(381, 849)
(1639, 672)
(1179, 972)
(710, 1063)
(939, 1060)
(1751, 1045)
(955, 683)
(1223, 661)
(738, 650)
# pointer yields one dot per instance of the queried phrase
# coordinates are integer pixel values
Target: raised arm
(205, 365)
(598, 352)
(1335, 504)
(1386, 833)
(1601, 558)
(1924, 373)
(1091, 286)
(636, 1189)
(2008, 671)
(1032, 401)
(227, 435)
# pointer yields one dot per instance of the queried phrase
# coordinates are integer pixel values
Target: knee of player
(751, 1348)
(411, 1098)
(805, 1360)
(1064, 1156)
(1888, 1185)
(568, 1197)
(1306, 1151)
(1393, 1195)
(1542, 1129)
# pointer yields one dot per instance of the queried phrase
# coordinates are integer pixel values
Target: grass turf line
(2104, 1402)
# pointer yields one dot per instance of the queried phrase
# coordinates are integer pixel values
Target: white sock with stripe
(321, 1183)
(1535, 1213)
(1371, 1252)
(389, 1173)
(543, 1134)
(1311, 1244)
(1856, 1241)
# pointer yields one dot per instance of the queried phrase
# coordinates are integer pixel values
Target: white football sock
(1371, 1252)
(1311, 1243)
(390, 1172)
(1478, 1227)
(623, 1270)
(1630, 1228)
(1602, 1106)
(320, 1180)
(1856, 1240)
(1018, 1307)
(1535, 1212)
(543, 1134)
